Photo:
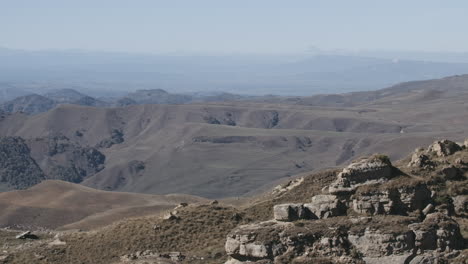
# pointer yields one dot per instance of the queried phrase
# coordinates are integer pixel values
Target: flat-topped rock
(377, 168)
(289, 212)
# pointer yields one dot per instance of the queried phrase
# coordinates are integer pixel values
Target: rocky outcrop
(367, 240)
(375, 243)
(443, 148)
(252, 242)
(366, 171)
(397, 201)
(375, 202)
(407, 218)
(420, 160)
(325, 206)
(437, 231)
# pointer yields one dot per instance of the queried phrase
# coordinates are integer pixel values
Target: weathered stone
(375, 202)
(398, 201)
(437, 231)
(443, 148)
(324, 206)
(419, 160)
(289, 212)
(414, 197)
(374, 243)
(460, 204)
(366, 171)
(256, 241)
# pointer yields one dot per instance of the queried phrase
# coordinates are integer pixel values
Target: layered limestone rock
(367, 171)
(397, 201)
(375, 243)
(443, 148)
(437, 231)
(320, 207)
(264, 240)
(375, 202)
(407, 217)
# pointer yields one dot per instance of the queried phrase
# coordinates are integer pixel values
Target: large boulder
(377, 168)
(419, 160)
(289, 212)
(394, 200)
(324, 206)
(437, 231)
(443, 148)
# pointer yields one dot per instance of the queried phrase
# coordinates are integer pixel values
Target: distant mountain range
(111, 74)
(35, 103)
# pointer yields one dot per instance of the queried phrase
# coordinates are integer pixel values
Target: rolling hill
(244, 145)
(56, 204)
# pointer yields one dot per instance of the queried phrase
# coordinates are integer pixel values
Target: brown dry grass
(200, 231)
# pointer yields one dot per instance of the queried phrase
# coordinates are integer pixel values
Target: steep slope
(17, 168)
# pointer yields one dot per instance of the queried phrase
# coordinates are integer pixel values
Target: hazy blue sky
(266, 26)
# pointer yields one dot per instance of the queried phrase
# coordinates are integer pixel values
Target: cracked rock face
(366, 171)
(325, 206)
(419, 160)
(257, 241)
(444, 148)
(373, 203)
(437, 231)
(374, 243)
